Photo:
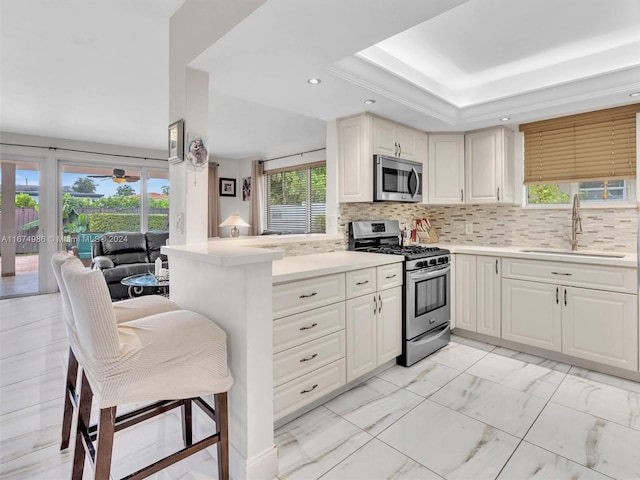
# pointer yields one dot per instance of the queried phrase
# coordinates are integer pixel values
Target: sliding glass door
(20, 232)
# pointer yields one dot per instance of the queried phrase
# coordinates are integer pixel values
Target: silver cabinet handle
(362, 283)
(560, 273)
(461, 195)
(498, 193)
(306, 359)
(309, 296)
(380, 307)
(496, 266)
(309, 327)
(375, 304)
(309, 390)
(557, 293)
(390, 276)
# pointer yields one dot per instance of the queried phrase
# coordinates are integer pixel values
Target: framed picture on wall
(227, 187)
(176, 142)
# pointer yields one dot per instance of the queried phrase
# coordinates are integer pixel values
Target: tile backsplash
(505, 225)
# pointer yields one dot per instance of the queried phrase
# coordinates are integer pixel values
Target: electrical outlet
(469, 228)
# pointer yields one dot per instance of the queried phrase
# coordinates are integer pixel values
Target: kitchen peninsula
(233, 286)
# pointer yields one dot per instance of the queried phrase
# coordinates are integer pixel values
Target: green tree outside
(24, 200)
(84, 185)
(546, 194)
(125, 190)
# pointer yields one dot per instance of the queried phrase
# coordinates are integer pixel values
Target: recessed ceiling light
(634, 94)
(314, 81)
(370, 101)
(504, 119)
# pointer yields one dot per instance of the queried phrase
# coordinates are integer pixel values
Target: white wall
(235, 169)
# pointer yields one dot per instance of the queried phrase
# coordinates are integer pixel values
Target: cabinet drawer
(289, 397)
(306, 326)
(616, 279)
(389, 276)
(295, 297)
(361, 282)
(307, 357)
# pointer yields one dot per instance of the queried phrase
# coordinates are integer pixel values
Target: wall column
(8, 227)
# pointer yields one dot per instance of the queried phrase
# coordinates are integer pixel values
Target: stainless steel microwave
(396, 180)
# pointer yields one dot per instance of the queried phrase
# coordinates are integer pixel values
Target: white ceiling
(98, 71)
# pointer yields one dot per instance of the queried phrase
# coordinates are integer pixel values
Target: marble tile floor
(470, 411)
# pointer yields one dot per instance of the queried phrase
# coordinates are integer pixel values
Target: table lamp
(234, 221)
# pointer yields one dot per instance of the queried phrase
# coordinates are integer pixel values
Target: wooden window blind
(598, 145)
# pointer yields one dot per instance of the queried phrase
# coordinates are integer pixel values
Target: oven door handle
(430, 274)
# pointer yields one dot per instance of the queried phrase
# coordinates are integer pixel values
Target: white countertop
(628, 260)
(222, 254)
(290, 269)
(275, 239)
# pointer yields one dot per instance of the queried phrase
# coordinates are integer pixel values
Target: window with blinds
(594, 146)
(295, 200)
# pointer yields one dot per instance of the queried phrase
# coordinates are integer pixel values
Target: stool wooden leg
(187, 422)
(104, 450)
(220, 401)
(84, 416)
(67, 416)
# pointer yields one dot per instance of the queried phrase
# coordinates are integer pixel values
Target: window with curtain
(593, 154)
(295, 200)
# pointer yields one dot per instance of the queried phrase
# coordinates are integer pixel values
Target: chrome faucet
(576, 222)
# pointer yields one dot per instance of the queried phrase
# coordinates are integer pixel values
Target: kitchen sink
(582, 254)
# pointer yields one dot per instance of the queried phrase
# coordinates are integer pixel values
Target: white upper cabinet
(355, 160)
(489, 166)
(477, 167)
(384, 137)
(446, 169)
(365, 135)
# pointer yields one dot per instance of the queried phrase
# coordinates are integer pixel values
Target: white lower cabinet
(488, 295)
(389, 325)
(591, 324)
(600, 326)
(374, 331)
(321, 341)
(531, 313)
(361, 314)
(477, 294)
(586, 316)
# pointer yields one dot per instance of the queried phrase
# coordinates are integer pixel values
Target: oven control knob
(432, 261)
(441, 260)
(421, 264)
(446, 260)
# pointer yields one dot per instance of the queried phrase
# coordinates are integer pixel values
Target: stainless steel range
(426, 291)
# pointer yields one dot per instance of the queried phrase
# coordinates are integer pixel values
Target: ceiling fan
(118, 176)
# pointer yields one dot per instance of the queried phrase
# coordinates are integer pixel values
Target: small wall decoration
(227, 187)
(197, 152)
(246, 189)
(176, 142)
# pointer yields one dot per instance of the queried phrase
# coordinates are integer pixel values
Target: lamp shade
(234, 221)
